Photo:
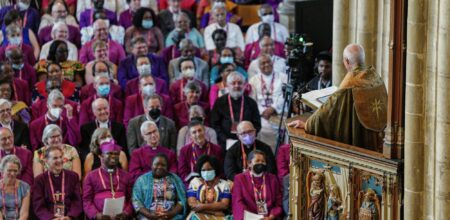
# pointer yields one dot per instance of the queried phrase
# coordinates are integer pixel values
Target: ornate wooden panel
(331, 180)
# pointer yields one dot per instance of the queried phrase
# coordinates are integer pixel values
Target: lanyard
(15, 91)
(155, 191)
(52, 188)
(181, 90)
(262, 189)
(195, 156)
(113, 192)
(60, 121)
(244, 155)
(21, 73)
(16, 199)
(264, 88)
(241, 114)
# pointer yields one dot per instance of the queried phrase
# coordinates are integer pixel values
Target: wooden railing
(324, 172)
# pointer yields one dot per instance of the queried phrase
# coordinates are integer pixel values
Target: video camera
(298, 47)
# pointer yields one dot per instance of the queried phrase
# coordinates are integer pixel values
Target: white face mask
(148, 90)
(188, 73)
(23, 6)
(56, 112)
(15, 41)
(268, 19)
(105, 140)
(144, 69)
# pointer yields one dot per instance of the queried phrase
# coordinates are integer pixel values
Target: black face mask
(198, 118)
(154, 113)
(259, 168)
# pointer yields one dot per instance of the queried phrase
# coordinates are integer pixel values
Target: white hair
(263, 38)
(5, 101)
(57, 26)
(96, 23)
(218, 5)
(98, 76)
(355, 54)
(147, 124)
(97, 101)
(197, 109)
(54, 95)
(49, 130)
(233, 76)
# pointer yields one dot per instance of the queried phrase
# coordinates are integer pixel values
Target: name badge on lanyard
(261, 207)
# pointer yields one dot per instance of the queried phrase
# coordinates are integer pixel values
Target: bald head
(353, 56)
(245, 126)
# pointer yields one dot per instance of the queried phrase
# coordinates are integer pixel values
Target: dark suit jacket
(21, 134)
(167, 133)
(86, 130)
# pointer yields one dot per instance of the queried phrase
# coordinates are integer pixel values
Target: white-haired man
(357, 111)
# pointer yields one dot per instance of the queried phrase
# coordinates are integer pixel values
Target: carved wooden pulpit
(331, 180)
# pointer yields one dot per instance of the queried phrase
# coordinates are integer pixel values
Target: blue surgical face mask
(15, 41)
(248, 139)
(103, 90)
(147, 24)
(224, 60)
(17, 66)
(208, 175)
(148, 90)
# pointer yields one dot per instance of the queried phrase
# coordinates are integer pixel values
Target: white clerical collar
(49, 118)
(220, 27)
(257, 175)
(150, 119)
(6, 126)
(103, 124)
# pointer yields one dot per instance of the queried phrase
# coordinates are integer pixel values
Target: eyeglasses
(6, 110)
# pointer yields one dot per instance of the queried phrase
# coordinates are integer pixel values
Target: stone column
(414, 110)
(286, 9)
(340, 38)
(366, 28)
(442, 176)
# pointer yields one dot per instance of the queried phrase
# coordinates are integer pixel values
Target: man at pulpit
(356, 113)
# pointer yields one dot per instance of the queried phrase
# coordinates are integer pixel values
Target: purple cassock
(283, 159)
(128, 71)
(115, 110)
(182, 110)
(27, 51)
(21, 91)
(87, 17)
(172, 52)
(133, 86)
(190, 153)
(89, 90)
(74, 35)
(28, 74)
(134, 107)
(126, 19)
(70, 129)
(26, 160)
(141, 160)
(42, 196)
(244, 195)
(116, 53)
(30, 17)
(39, 108)
(97, 188)
(177, 94)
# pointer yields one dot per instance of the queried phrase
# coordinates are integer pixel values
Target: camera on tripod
(298, 47)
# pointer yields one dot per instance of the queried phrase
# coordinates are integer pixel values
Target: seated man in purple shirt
(190, 153)
(127, 67)
(116, 51)
(22, 70)
(88, 90)
(87, 16)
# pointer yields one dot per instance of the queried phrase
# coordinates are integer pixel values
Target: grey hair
(233, 76)
(5, 101)
(147, 124)
(182, 13)
(197, 109)
(12, 28)
(96, 101)
(100, 75)
(48, 130)
(94, 146)
(54, 95)
(217, 5)
(95, 25)
(192, 86)
(355, 54)
(58, 25)
(263, 6)
(261, 40)
(154, 96)
(184, 43)
(10, 159)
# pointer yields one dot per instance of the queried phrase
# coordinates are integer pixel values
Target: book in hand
(252, 216)
(316, 98)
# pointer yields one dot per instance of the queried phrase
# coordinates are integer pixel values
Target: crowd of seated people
(166, 104)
